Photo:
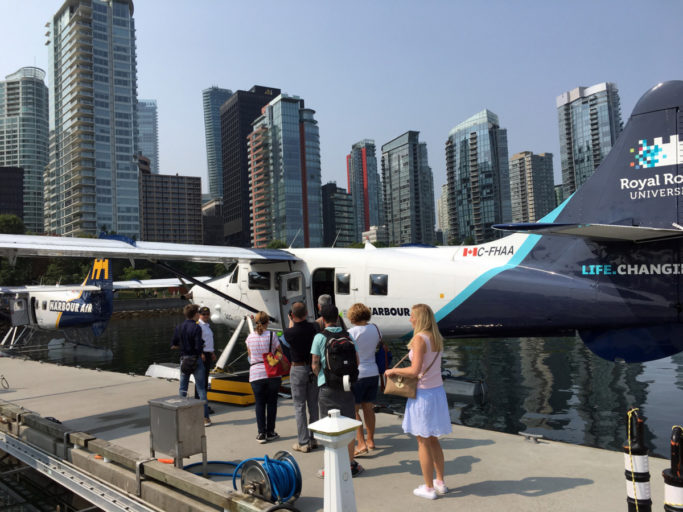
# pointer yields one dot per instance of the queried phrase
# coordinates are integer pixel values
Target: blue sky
(377, 69)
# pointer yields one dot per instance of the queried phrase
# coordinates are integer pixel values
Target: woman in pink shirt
(427, 416)
(266, 389)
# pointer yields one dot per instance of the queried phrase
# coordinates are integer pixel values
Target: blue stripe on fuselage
(480, 281)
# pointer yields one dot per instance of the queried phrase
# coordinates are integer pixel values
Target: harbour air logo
(657, 154)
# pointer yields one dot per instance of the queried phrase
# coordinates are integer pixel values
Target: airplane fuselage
(505, 287)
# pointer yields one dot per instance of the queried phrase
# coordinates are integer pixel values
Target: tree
(276, 244)
(11, 224)
(134, 274)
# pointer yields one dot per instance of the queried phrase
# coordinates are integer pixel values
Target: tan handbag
(404, 386)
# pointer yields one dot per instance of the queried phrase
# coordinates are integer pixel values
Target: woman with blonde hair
(260, 342)
(426, 416)
(366, 337)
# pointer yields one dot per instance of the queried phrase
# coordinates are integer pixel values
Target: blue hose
(281, 474)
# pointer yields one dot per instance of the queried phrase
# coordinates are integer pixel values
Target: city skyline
(568, 49)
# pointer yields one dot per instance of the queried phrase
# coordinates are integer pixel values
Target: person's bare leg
(369, 417)
(424, 453)
(360, 438)
(437, 457)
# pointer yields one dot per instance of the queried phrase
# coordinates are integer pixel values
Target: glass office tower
(589, 120)
(91, 183)
(24, 136)
(238, 114)
(339, 217)
(364, 186)
(291, 156)
(478, 179)
(408, 190)
(148, 132)
(212, 99)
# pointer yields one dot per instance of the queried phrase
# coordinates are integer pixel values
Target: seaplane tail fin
(99, 274)
(639, 183)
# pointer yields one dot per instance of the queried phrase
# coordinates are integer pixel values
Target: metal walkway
(90, 489)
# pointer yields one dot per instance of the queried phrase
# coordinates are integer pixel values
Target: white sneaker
(440, 488)
(425, 492)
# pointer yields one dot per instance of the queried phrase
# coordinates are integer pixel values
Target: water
(550, 386)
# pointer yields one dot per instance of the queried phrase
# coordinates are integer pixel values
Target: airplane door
(18, 308)
(292, 289)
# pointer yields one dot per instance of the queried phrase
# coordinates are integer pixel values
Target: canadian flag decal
(469, 252)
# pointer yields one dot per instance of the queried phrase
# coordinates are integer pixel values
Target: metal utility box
(177, 427)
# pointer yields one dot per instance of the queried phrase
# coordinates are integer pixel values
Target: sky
(376, 69)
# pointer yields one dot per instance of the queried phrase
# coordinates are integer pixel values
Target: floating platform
(485, 470)
(231, 389)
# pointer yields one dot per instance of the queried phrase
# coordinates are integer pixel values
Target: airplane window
(235, 273)
(259, 280)
(379, 284)
(343, 284)
(293, 285)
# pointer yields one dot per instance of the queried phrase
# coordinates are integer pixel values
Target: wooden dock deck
(486, 471)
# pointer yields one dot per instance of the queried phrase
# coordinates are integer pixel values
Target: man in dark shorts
(330, 398)
(302, 380)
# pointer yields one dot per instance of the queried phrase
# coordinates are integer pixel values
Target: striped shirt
(258, 344)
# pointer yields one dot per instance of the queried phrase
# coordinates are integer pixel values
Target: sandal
(359, 453)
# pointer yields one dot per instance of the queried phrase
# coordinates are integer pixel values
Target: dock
(485, 470)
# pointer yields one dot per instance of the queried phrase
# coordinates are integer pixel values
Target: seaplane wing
(48, 288)
(138, 284)
(598, 232)
(13, 246)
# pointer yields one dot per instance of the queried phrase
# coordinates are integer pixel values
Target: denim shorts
(365, 389)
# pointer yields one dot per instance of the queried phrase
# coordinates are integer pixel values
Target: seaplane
(606, 263)
(35, 308)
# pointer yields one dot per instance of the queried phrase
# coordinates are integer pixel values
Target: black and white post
(673, 477)
(637, 465)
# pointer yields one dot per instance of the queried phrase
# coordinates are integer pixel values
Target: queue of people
(315, 384)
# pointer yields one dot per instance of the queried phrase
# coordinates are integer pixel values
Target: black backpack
(340, 359)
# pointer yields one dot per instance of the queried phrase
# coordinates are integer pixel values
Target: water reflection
(553, 386)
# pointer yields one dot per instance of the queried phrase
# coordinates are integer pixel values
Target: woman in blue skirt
(427, 416)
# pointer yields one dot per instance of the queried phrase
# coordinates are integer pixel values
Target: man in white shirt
(209, 354)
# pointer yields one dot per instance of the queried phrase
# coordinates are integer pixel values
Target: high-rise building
(408, 190)
(284, 166)
(260, 176)
(171, 208)
(364, 186)
(12, 191)
(339, 221)
(212, 222)
(442, 214)
(477, 177)
(91, 182)
(213, 98)
(559, 195)
(532, 193)
(237, 115)
(24, 136)
(590, 121)
(148, 132)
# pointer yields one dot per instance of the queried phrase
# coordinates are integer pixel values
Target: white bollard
(336, 432)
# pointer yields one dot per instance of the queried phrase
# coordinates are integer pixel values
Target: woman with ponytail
(260, 342)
